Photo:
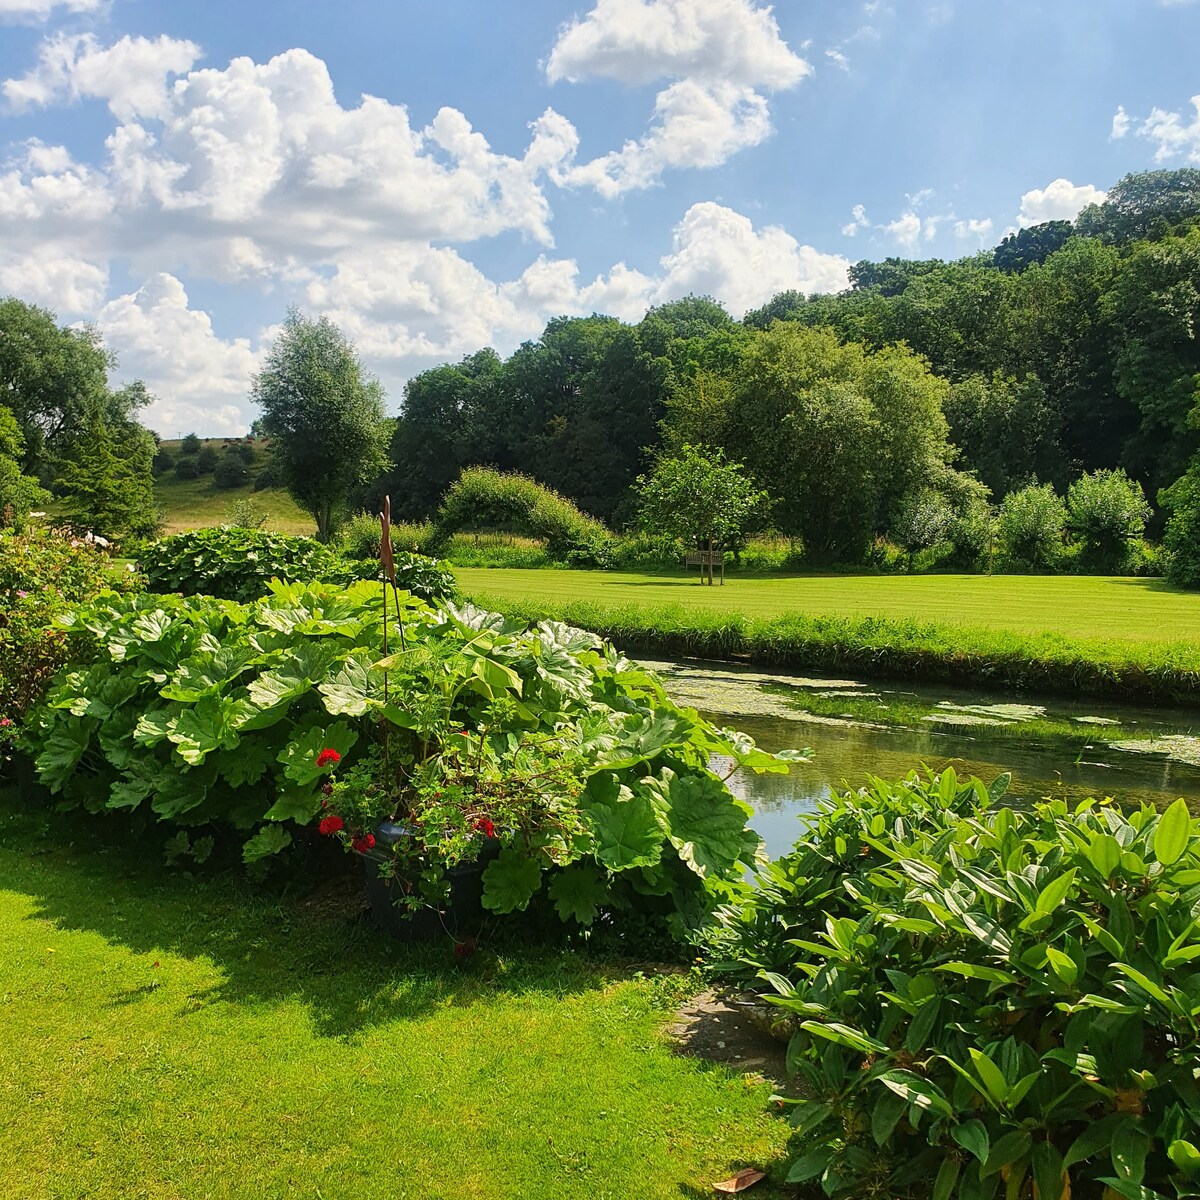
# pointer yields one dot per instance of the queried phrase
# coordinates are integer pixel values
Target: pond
(846, 750)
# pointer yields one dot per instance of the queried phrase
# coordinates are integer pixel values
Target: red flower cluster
(363, 843)
(328, 757)
(333, 824)
(484, 825)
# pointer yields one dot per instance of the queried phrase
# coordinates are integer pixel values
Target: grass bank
(191, 1038)
(1125, 639)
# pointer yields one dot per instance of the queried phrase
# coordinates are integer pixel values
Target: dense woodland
(926, 388)
(1069, 348)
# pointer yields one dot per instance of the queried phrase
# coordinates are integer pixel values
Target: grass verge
(865, 646)
(175, 1037)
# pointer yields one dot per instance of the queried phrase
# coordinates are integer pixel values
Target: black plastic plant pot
(463, 913)
(23, 773)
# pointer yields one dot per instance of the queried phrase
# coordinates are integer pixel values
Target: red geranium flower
(330, 825)
(363, 842)
(327, 757)
(484, 825)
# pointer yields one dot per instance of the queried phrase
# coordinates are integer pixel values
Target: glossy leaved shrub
(986, 1001)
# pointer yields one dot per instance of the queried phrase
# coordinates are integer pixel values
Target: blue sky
(180, 173)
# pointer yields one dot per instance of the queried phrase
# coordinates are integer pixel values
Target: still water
(845, 754)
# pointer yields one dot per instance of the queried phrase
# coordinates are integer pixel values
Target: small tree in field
(699, 498)
(325, 417)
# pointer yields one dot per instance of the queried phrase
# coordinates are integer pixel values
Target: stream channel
(1164, 764)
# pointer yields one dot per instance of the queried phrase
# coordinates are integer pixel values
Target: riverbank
(1053, 636)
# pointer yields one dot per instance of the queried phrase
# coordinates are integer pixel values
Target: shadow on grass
(318, 947)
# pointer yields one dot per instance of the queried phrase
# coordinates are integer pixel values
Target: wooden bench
(704, 559)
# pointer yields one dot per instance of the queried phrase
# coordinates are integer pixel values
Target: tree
(325, 417)
(1182, 538)
(206, 460)
(700, 499)
(20, 494)
(1106, 512)
(1031, 526)
(1033, 244)
(230, 471)
(52, 379)
(190, 444)
(1148, 204)
(108, 488)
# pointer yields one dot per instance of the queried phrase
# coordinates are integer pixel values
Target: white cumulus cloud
(40, 10)
(717, 55)
(1060, 200)
(1175, 135)
(131, 75)
(200, 379)
(641, 41)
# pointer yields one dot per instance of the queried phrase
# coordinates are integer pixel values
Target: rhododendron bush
(300, 711)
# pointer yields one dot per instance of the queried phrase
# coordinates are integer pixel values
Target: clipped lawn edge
(883, 648)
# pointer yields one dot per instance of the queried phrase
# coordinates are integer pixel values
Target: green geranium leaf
(578, 892)
(295, 804)
(248, 763)
(270, 839)
(299, 756)
(510, 881)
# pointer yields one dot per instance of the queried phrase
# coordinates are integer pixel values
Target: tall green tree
(1148, 204)
(700, 499)
(325, 416)
(107, 487)
(20, 494)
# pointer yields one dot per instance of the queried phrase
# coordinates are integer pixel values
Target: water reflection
(845, 755)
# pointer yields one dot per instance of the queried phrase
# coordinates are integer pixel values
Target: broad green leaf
(988, 932)
(947, 1177)
(625, 824)
(154, 726)
(206, 674)
(843, 1035)
(888, 1109)
(295, 804)
(999, 787)
(1096, 1137)
(809, 1166)
(270, 839)
(1048, 1174)
(975, 971)
(1172, 833)
(921, 1092)
(577, 892)
(1104, 854)
(991, 1075)
(1055, 892)
(973, 1136)
(62, 751)
(1063, 965)
(1007, 1150)
(1147, 984)
(510, 881)
(808, 1115)
(1130, 1190)
(704, 821)
(210, 724)
(247, 763)
(353, 690)
(1186, 1157)
(299, 756)
(496, 679)
(1130, 1145)
(640, 738)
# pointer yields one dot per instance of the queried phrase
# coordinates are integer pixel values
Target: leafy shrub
(497, 550)
(208, 713)
(186, 468)
(1182, 538)
(266, 478)
(1031, 527)
(164, 460)
(1106, 514)
(206, 460)
(41, 574)
(483, 498)
(245, 514)
(981, 994)
(190, 444)
(360, 537)
(924, 519)
(244, 451)
(230, 471)
(238, 563)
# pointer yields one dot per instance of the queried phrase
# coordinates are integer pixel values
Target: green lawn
(1080, 607)
(185, 1039)
(196, 504)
